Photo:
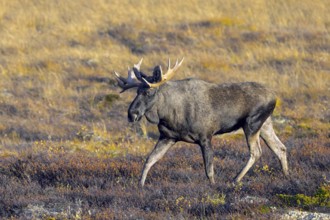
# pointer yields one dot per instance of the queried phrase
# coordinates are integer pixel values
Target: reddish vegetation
(70, 185)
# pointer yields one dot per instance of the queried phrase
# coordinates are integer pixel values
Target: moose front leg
(157, 153)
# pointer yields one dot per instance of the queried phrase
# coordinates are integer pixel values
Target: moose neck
(152, 114)
(159, 110)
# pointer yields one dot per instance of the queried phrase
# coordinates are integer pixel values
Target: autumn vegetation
(68, 152)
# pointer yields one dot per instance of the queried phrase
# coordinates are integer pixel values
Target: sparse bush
(320, 199)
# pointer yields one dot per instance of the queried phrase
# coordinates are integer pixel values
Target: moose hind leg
(157, 153)
(273, 142)
(207, 152)
(255, 153)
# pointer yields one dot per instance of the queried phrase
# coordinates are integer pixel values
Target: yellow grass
(50, 49)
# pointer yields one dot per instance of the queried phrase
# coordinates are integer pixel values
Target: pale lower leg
(158, 152)
(255, 153)
(274, 143)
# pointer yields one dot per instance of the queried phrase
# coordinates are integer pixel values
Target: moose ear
(157, 74)
(139, 75)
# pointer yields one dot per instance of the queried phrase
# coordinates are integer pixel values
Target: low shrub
(320, 199)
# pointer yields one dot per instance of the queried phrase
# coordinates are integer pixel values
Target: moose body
(193, 111)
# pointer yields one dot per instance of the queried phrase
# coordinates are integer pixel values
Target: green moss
(320, 198)
(216, 199)
(323, 195)
(265, 209)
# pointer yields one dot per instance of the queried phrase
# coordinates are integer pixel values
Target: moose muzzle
(133, 116)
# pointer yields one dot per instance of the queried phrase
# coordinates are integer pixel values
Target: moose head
(147, 87)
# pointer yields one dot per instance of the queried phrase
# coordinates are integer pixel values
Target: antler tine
(167, 76)
(171, 71)
(176, 65)
(179, 64)
(119, 77)
(138, 65)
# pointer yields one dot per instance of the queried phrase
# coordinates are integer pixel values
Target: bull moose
(193, 111)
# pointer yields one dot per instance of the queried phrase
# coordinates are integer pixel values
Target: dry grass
(58, 94)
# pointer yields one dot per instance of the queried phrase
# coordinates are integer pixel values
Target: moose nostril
(132, 116)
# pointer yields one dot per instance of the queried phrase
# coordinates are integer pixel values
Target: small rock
(253, 200)
(300, 215)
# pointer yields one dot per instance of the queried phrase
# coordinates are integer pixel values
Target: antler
(167, 76)
(131, 81)
(136, 77)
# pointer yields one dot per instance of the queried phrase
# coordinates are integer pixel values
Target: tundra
(193, 111)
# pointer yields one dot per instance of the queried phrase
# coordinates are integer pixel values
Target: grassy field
(68, 152)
